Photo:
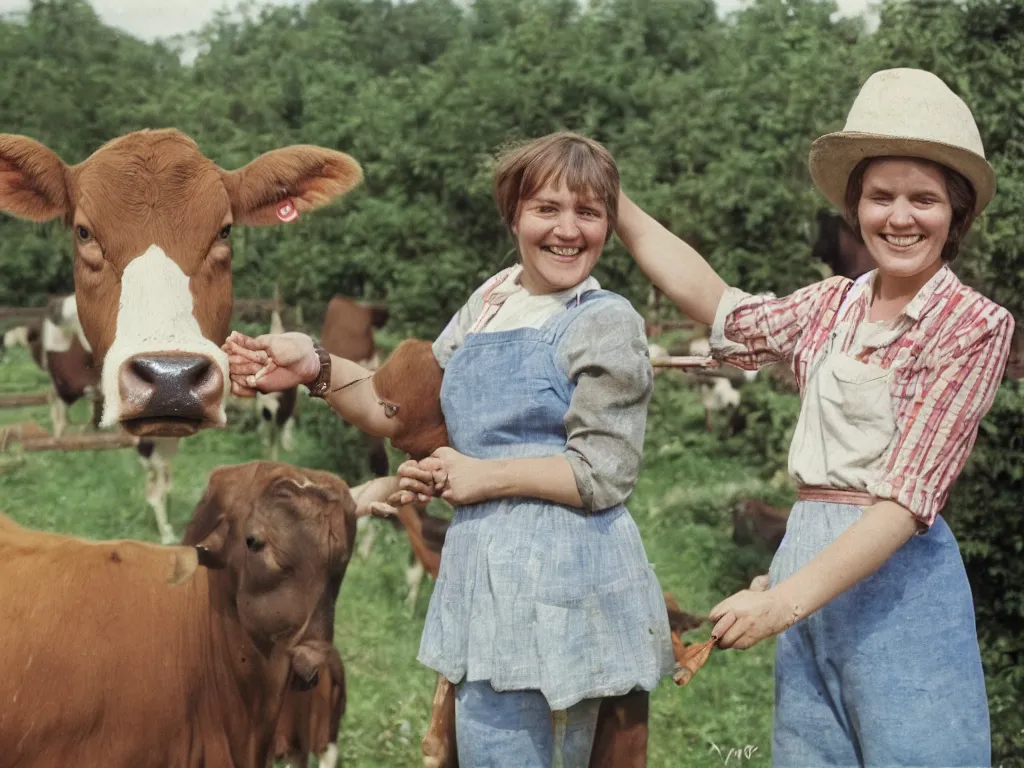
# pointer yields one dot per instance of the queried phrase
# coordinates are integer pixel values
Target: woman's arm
(274, 362)
(351, 396)
(674, 267)
(749, 616)
(461, 479)
(747, 331)
(953, 396)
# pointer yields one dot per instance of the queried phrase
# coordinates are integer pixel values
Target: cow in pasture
(347, 331)
(756, 524)
(717, 393)
(59, 347)
(128, 653)
(410, 381)
(277, 409)
(151, 220)
(840, 248)
(21, 336)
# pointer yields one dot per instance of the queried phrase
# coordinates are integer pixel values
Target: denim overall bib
(889, 672)
(531, 594)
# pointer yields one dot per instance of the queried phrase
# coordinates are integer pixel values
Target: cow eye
(253, 544)
(84, 235)
(225, 232)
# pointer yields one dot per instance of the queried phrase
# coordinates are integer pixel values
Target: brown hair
(586, 167)
(962, 200)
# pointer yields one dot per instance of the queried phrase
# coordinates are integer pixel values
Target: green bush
(984, 512)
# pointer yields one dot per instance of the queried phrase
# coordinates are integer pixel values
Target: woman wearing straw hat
(877, 662)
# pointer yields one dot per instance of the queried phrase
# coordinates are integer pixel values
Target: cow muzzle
(170, 394)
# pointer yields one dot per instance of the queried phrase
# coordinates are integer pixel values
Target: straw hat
(903, 113)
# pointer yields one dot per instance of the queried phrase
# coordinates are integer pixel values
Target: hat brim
(834, 156)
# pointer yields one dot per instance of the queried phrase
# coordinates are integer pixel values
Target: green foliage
(710, 119)
(761, 429)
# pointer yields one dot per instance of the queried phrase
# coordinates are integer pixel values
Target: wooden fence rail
(23, 399)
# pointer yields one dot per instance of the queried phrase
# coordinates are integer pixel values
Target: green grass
(681, 505)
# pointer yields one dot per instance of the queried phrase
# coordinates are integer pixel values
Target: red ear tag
(287, 211)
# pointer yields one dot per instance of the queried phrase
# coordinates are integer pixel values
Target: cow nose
(183, 373)
(169, 394)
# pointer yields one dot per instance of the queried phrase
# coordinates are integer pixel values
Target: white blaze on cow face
(155, 322)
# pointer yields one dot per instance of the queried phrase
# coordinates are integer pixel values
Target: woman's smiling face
(560, 236)
(904, 214)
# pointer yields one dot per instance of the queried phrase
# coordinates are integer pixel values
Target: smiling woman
(544, 580)
(896, 370)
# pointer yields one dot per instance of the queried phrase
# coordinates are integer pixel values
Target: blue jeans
(889, 672)
(512, 729)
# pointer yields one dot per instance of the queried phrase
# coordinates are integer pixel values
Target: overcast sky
(150, 19)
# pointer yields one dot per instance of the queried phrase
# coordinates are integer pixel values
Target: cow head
(283, 537)
(409, 384)
(151, 220)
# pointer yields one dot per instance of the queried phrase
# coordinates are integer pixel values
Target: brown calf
(754, 523)
(151, 221)
(162, 663)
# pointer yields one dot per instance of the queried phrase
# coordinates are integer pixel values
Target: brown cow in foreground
(151, 221)
(410, 380)
(121, 653)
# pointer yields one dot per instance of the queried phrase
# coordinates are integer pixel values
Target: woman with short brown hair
(545, 602)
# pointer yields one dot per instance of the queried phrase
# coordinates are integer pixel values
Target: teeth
(904, 240)
(564, 251)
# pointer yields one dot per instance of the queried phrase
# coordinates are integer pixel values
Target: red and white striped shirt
(947, 351)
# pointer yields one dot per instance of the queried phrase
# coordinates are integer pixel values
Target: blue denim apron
(889, 672)
(534, 595)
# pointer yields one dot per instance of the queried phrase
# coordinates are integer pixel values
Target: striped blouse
(947, 350)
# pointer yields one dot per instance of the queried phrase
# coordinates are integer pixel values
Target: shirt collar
(938, 287)
(510, 284)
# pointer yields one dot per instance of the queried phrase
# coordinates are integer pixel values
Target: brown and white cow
(151, 219)
(127, 653)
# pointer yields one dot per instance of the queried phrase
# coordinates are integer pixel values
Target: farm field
(682, 506)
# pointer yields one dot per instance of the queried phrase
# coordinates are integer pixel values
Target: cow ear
(281, 184)
(33, 180)
(307, 660)
(211, 549)
(185, 562)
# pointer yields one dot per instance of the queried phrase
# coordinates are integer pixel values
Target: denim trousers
(513, 729)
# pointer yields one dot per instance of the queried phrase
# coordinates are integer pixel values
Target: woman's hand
(270, 363)
(461, 479)
(456, 478)
(416, 482)
(750, 616)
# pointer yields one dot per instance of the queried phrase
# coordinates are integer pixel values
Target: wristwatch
(322, 383)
